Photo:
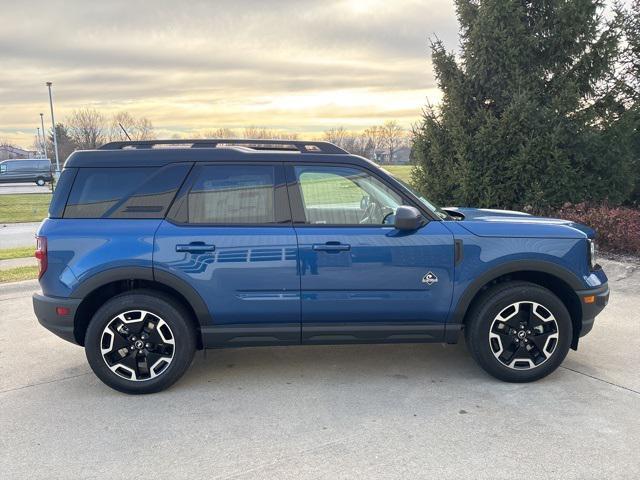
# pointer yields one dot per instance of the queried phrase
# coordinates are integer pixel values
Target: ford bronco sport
(155, 249)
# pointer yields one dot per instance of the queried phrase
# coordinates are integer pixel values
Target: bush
(618, 227)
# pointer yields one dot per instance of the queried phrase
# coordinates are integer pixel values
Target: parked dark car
(151, 253)
(27, 170)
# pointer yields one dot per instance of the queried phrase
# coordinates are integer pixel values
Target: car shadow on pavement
(332, 362)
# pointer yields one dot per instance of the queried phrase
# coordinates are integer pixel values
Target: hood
(486, 222)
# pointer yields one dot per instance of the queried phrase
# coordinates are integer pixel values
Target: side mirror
(408, 218)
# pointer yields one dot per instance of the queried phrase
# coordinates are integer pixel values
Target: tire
(140, 342)
(40, 182)
(519, 331)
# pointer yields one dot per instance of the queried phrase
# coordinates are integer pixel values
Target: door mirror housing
(408, 218)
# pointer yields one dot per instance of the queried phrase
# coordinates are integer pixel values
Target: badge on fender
(430, 278)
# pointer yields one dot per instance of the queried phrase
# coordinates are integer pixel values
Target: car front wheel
(40, 182)
(519, 331)
(139, 342)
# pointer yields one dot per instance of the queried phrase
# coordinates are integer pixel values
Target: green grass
(403, 172)
(19, 252)
(18, 274)
(323, 189)
(24, 207)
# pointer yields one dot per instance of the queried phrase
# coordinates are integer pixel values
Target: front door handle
(331, 247)
(195, 247)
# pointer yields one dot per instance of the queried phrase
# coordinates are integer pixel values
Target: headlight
(593, 262)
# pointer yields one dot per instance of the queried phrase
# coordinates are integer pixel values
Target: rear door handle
(331, 247)
(195, 247)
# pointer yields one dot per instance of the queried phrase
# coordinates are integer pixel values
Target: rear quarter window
(131, 192)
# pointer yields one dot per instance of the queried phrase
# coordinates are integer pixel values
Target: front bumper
(62, 325)
(593, 302)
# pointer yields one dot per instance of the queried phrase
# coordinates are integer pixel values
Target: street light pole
(44, 135)
(39, 141)
(55, 136)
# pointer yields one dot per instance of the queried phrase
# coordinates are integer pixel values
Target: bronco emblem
(430, 278)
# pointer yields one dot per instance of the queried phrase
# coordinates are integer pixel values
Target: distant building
(400, 156)
(8, 151)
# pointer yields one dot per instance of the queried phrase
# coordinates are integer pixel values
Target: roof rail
(256, 144)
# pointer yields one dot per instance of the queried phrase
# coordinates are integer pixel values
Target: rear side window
(134, 192)
(233, 194)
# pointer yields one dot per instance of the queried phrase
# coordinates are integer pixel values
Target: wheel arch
(560, 281)
(99, 288)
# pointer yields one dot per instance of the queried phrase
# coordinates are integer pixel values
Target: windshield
(434, 208)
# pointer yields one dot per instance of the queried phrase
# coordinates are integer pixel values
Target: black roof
(162, 152)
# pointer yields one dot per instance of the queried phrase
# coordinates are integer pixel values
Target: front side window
(335, 195)
(233, 194)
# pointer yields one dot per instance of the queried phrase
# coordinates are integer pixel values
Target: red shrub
(618, 228)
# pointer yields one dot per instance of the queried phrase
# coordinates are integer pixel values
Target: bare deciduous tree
(374, 140)
(87, 128)
(138, 128)
(267, 134)
(392, 138)
(219, 133)
(335, 135)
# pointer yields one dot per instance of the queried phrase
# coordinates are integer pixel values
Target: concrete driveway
(390, 411)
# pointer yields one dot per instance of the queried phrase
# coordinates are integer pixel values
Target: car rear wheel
(139, 342)
(40, 182)
(519, 331)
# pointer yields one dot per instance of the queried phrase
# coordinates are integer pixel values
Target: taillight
(41, 255)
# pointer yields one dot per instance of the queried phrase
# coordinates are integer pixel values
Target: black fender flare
(538, 266)
(150, 274)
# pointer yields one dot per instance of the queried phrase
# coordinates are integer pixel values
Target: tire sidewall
(165, 309)
(492, 305)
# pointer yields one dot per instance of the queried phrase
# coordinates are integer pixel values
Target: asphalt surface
(18, 234)
(6, 188)
(372, 411)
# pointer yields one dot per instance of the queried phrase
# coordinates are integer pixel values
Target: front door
(362, 280)
(229, 237)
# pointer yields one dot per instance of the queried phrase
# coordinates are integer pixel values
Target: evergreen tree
(522, 122)
(66, 145)
(629, 70)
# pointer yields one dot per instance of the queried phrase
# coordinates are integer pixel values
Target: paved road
(408, 411)
(18, 234)
(6, 188)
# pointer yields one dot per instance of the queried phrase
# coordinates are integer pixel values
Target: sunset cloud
(196, 65)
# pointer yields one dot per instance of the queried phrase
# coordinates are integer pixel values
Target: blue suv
(155, 249)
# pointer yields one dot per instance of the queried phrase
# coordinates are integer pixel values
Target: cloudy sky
(191, 66)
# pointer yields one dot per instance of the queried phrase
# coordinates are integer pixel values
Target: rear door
(229, 236)
(362, 280)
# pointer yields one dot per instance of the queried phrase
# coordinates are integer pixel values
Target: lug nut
(148, 345)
